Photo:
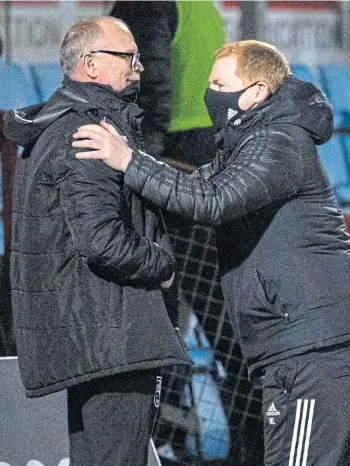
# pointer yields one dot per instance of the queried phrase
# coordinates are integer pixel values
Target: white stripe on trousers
(301, 436)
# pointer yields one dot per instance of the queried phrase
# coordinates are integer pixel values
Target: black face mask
(223, 106)
(130, 92)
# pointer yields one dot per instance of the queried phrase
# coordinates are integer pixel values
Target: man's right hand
(105, 143)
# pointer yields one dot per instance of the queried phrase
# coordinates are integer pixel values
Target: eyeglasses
(135, 60)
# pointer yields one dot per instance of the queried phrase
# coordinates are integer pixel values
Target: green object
(200, 33)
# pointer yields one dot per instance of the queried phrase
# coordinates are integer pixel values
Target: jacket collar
(25, 126)
(102, 96)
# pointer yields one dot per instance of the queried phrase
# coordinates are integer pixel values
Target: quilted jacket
(88, 256)
(283, 249)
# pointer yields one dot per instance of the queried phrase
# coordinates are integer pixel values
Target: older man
(283, 250)
(90, 258)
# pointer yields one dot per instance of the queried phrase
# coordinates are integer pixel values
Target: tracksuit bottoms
(306, 409)
(110, 420)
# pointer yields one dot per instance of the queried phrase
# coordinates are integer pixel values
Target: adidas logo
(272, 411)
(231, 113)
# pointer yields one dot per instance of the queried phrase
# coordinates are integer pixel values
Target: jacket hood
(296, 102)
(300, 103)
(25, 126)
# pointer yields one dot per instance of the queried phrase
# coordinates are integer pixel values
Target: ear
(262, 92)
(90, 66)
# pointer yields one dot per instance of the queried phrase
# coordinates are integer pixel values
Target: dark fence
(213, 414)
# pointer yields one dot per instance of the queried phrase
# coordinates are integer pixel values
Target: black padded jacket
(283, 249)
(88, 256)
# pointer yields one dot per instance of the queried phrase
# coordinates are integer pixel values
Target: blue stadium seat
(47, 77)
(336, 79)
(333, 158)
(345, 141)
(302, 71)
(17, 89)
(306, 73)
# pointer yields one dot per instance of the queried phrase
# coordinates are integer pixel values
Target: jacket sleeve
(268, 168)
(206, 171)
(153, 25)
(96, 214)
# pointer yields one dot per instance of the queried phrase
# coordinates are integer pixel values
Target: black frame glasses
(134, 60)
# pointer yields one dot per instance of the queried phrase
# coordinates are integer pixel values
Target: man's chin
(134, 84)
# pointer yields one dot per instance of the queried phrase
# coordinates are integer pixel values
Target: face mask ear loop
(250, 85)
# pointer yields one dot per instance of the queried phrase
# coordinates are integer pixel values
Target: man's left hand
(106, 144)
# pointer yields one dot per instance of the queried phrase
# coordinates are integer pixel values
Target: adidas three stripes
(306, 408)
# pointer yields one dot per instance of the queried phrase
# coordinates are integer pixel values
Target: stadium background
(198, 409)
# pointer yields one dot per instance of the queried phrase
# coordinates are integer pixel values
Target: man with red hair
(283, 250)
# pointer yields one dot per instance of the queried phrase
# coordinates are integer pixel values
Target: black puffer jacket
(283, 250)
(87, 255)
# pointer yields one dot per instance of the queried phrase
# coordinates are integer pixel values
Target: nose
(139, 67)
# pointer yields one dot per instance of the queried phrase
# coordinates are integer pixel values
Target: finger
(88, 144)
(93, 127)
(89, 134)
(93, 154)
(109, 128)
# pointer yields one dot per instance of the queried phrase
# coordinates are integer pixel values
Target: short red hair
(257, 61)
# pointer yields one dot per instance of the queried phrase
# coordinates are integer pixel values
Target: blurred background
(310, 32)
(211, 416)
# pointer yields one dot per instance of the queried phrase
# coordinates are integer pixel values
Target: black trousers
(110, 419)
(306, 408)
